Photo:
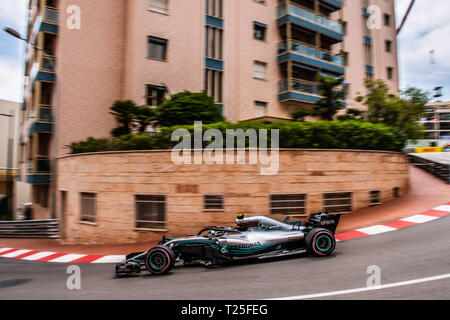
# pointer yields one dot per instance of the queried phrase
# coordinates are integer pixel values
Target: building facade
(259, 59)
(9, 143)
(437, 121)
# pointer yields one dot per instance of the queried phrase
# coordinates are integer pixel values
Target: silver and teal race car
(257, 237)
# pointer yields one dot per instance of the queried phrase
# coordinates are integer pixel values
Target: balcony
(298, 90)
(304, 53)
(310, 20)
(42, 127)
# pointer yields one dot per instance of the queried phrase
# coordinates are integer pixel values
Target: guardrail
(438, 169)
(29, 229)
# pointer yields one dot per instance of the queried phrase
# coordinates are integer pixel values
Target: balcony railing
(45, 114)
(51, 14)
(48, 63)
(311, 16)
(299, 85)
(310, 51)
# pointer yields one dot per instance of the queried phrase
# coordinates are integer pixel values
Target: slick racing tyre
(159, 260)
(320, 242)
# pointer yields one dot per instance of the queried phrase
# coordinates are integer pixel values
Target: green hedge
(319, 135)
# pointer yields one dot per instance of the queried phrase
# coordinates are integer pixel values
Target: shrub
(320, 134)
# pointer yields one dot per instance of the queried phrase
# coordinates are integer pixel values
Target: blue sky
(428, 28)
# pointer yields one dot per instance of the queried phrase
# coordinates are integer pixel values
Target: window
(260, 109)
(213, 84)
(159, 5)
(387, 19)
(213, 43)
(388, 45)
(375, 197)
(390, 73)
(88, 207)
(41, 195)
(157, 48)
(260, 1)
(214, 8)
(288, 204)
(259, 70)
(340, 202)
(213, 202)
(368, 53)
(396, 192)
(150, 212)
(259, 31)
(155, 95)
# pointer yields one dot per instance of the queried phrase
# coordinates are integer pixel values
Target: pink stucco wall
(107, 59)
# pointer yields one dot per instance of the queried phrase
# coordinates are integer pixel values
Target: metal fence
(29, 229)
(440, 170)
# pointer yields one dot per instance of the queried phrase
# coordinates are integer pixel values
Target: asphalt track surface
(412, 253)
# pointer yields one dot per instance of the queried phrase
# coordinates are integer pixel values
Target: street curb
(47, 256)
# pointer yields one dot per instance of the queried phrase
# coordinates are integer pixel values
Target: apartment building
(437, 120)
(259, 59)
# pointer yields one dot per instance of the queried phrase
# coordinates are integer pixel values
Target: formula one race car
(254, 238)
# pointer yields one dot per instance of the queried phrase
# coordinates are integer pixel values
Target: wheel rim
(157, 260)
(323, 243)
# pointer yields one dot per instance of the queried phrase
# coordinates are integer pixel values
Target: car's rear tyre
(159, 260)
(320, 242)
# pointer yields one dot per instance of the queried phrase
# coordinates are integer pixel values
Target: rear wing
(325, 220)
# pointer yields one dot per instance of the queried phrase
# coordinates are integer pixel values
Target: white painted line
(38, 255)
(68, 258)
(4, 249)
(350, 291)
(419, 218)
(110, 259)
(376, 229)
(442, 208)
(15, 253)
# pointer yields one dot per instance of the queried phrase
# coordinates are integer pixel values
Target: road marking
(443, 208)
(39, 255)
(15, 253)
(68, 258)
(419, 218)
(364, 289)
(376, 229)
(110, 259)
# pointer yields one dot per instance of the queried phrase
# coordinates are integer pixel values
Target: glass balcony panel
(45, 114)
(42, 166)
(312, 52)
(48, 63)
(51, 15)
(299, 85)
(311, 16)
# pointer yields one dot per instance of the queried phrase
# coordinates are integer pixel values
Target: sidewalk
(426, 193)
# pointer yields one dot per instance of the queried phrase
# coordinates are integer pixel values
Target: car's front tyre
(159, 260)
(320, 242)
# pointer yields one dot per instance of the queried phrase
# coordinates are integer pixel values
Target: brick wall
(118, 176)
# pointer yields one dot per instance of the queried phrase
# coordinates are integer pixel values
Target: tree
(144, 117)
(123, 111)
(403, 112)
(300, 115)
(332, 101)
(186, 107)
(352, 114)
